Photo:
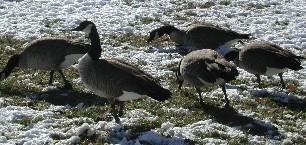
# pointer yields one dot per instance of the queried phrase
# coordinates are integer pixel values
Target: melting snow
(281, 22)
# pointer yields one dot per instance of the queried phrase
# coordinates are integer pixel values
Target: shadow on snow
(231, 117)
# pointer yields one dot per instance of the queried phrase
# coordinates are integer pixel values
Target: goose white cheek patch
(70, 59)
(87, 30)
(224, 50)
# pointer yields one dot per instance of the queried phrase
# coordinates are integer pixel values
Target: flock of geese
(208, 60)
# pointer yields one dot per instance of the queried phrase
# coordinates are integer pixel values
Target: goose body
(115, 79)
(265, 58)
(51, 54)
(206, 68)
(200, 37)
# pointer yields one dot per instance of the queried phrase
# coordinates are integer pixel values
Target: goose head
(90, 28)
(85, 26)
(157, 33)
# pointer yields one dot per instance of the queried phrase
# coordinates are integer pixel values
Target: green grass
(18, 93)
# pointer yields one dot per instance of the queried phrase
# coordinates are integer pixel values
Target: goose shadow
(289, 100)
(59, 97)
(229, 116)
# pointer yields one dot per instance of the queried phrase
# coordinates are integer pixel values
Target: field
(31, 112)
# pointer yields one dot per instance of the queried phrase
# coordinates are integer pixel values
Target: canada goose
(200, 37)
(265, 58)
(114, 79)
(206, 68)
(47, 54)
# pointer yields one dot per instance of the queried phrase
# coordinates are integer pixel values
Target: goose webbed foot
(117, 120)
(225, 104)
(67, 86)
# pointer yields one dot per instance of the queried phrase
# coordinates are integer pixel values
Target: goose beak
(77, 29)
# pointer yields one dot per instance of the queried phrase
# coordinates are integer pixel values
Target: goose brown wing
(224, 69)
(60, 48)
(212, 36)
(66, 47)
(267, 56)
(49, 53)
(199, 70)
(126, 77)
(291, 60)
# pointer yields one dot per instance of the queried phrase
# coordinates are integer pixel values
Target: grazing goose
(201, 36)
(47, 54)
(114, 79)
(265, 58)
(206, 68)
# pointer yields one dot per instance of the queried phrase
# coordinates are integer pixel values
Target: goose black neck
(11, 64)
(95, 49)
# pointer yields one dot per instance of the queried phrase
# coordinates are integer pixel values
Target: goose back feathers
(265, 58)
(206, 68)
(112, 78)
(51, 54)
(198, 37)
(208, 36)
(258, 57)
(47, 54)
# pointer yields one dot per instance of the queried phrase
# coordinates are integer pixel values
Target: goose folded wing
(132, 79)
(263, 58)
(200, 71)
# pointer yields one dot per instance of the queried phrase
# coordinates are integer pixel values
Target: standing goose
(206, 68)
(114, 79)
(47, 54)
(265, 58)
(201, 36)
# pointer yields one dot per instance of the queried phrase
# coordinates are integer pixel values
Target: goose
(207, 68)
(52, 54)
(266, 58)
(201, 36)
(115, 79)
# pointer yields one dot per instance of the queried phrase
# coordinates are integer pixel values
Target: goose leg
(67, 85)
(121, 106)
(225, 95)
(258, 80)
(51, 77)
(282, 80)
(199, 93)
(114, 112)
